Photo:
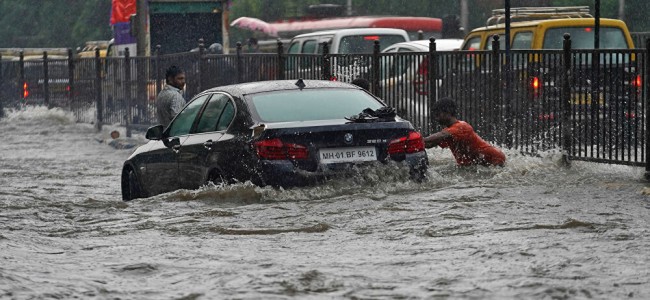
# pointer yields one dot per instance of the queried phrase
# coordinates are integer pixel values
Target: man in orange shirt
(468, 148)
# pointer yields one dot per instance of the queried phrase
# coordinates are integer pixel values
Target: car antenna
(300, 84)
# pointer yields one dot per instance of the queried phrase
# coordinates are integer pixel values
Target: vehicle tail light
(333, 78)
(274, 149)
(630, 115)
(25, 90)
(421, 81)
(411, 143)
(535, 83)
(637, 83)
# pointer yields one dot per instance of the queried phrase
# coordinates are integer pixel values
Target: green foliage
(53, 23)
(69, 23)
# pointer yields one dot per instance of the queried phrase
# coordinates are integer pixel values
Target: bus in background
(416, 27)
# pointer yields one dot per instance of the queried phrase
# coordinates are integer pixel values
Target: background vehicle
(343, 45)
(604, 85)
(414, 26)
(346, 41)
(405, 75)
(279, 133)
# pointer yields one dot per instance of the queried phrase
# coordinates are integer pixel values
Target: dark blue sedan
(279, 133)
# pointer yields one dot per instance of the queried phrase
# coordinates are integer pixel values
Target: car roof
(441, 44)
(351, 31)
(279, 85)
(565, 22)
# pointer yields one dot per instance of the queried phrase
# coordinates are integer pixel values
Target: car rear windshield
(312, 104)
(583, 38)
(364, 43)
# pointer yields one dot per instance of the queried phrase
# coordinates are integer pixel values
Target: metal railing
(592, 104)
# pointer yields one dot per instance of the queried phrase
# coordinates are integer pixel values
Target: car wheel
(418, 173)
(130, 185)
(216, 178)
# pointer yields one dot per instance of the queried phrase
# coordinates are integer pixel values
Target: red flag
(122, 10)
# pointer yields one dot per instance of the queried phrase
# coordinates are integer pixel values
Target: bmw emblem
(347, 138)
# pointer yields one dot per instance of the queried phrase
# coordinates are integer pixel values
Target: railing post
(98, 92)
(157, 66)
(494, 110)
(127, 91)
(46, 81)
(21, 66)
(326, 72)
(71, 83)
(567, 130)
(281, 60)
(646, 74)
(376, 89)
(239, 72)
(2, 96)
(199, 70)
(433, 74)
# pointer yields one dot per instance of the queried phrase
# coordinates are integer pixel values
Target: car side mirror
(155, 133)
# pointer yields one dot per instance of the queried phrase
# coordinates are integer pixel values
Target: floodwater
(530, 230)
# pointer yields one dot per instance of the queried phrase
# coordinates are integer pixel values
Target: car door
(201, 150)
(162, 159)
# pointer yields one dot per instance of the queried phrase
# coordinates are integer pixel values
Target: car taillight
(407, 144)
(637, 82)
(422, 78)
(25, 90)
(274, 149)
(535, 83)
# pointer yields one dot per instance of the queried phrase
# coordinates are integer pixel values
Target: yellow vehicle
(544, 28)
(91, 46)
(607, 79)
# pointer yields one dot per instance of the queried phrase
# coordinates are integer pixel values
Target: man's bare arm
(436, 138)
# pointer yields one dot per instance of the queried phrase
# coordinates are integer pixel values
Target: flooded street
(530, 230)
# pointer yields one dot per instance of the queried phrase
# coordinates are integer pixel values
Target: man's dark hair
(446, 105)
(362, 83)
(172, 72)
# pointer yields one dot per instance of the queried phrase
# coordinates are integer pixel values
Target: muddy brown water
(530, 230)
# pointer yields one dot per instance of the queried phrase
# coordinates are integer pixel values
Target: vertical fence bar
(281, 60)
(567, 139)
(22, 83)
(326, 73)
(375, 69)
(46, 80)
(646, 84)
(433, 82)
(157, 66)
(239, 72)
(200, 71)
(127, 90)
(496, 91)
(2, 96)
(98, 92)
(71, 83)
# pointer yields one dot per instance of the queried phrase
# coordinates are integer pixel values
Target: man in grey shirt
(170, 101)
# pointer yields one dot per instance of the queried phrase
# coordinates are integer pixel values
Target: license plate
(352, 154)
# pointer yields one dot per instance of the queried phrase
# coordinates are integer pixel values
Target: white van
(351, 49)
(346, 41)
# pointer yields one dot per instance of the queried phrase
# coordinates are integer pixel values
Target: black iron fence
(592, 104)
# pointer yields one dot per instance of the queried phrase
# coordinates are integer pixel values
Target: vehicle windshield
(583, 38)
(312, 104)
(355, 44)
